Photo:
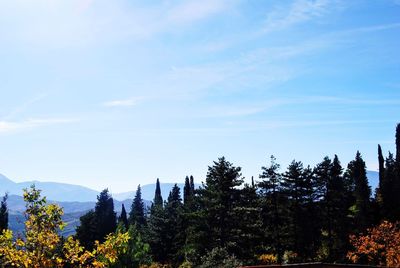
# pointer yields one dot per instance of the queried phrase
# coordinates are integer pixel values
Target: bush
(219, 257)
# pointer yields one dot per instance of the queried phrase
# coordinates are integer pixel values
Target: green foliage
(137, 214)
(137, 252)
(219, 257)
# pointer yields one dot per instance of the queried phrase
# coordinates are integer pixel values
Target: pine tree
(122, 219)
(3, 213)
(297, 187)
(137, 214)
(272, 209)
(175, 237)
(356, 170)
(220, 193)
(247, 231)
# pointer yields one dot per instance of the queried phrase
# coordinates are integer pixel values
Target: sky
(118, 93)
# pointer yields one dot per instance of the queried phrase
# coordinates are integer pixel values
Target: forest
(326, 213)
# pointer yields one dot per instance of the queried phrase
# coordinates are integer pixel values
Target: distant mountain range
(77, 200)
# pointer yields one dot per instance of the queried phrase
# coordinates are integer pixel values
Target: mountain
(52, 190)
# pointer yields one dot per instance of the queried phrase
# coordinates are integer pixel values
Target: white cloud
(15, 126)
(122, 103)
(300, 11)
(71, 23)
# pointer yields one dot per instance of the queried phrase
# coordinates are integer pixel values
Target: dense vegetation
(300, 214)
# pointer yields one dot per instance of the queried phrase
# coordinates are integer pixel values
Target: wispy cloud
(16, 126)
(122, 103)
(300, 11)
(21, 108)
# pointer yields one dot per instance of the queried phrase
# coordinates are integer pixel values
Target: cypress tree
(123, 218)
(186, 191)
(158, 200)
(137, 214)
(156, 234)
(3, 213)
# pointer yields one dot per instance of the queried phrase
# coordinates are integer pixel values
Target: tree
(3, 213)
(86, 231)
(272, 209)
(175, 233)
(356, 171)
(379, 246)
(137, 214)
(42, 247)
(156, 227)
(219, 197)
(97, 224)
(106, 217)
(122, 219)
(137, 252)
(158, 200)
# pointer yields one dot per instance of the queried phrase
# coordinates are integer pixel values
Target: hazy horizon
(113, 94)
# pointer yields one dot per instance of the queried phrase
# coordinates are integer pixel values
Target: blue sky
(117, 93)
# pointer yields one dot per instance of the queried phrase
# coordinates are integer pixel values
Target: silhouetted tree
(137, 213)
(3, 213)
(122, 219)
(272, 208)
(356, 170)
(86, 231)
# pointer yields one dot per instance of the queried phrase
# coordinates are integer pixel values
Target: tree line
(299, 214)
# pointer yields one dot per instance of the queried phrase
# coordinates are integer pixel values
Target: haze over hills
(63, 192)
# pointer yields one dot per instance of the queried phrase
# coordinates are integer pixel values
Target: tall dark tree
(156, 234)
(186, 191)
(272, 209)
(137, 213)
(158, 200)
(356, 170)
(3, 213)
(97, 224)
(247, 232)
(398, 144)
(86, 232)
(175, 233)
(105, 215)
(122, 219)
(297, 187)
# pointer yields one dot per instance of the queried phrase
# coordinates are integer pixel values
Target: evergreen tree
(122, 219)
(137, 214)
(186, 191)
(86, 231)
(156, 229)
(356, 170)
(105, 216)
(247, 231)
(297, 187)
(272, 209)
(175, 237)
(3, 213)
(97, 224)
(221, 194)
(158, 200)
